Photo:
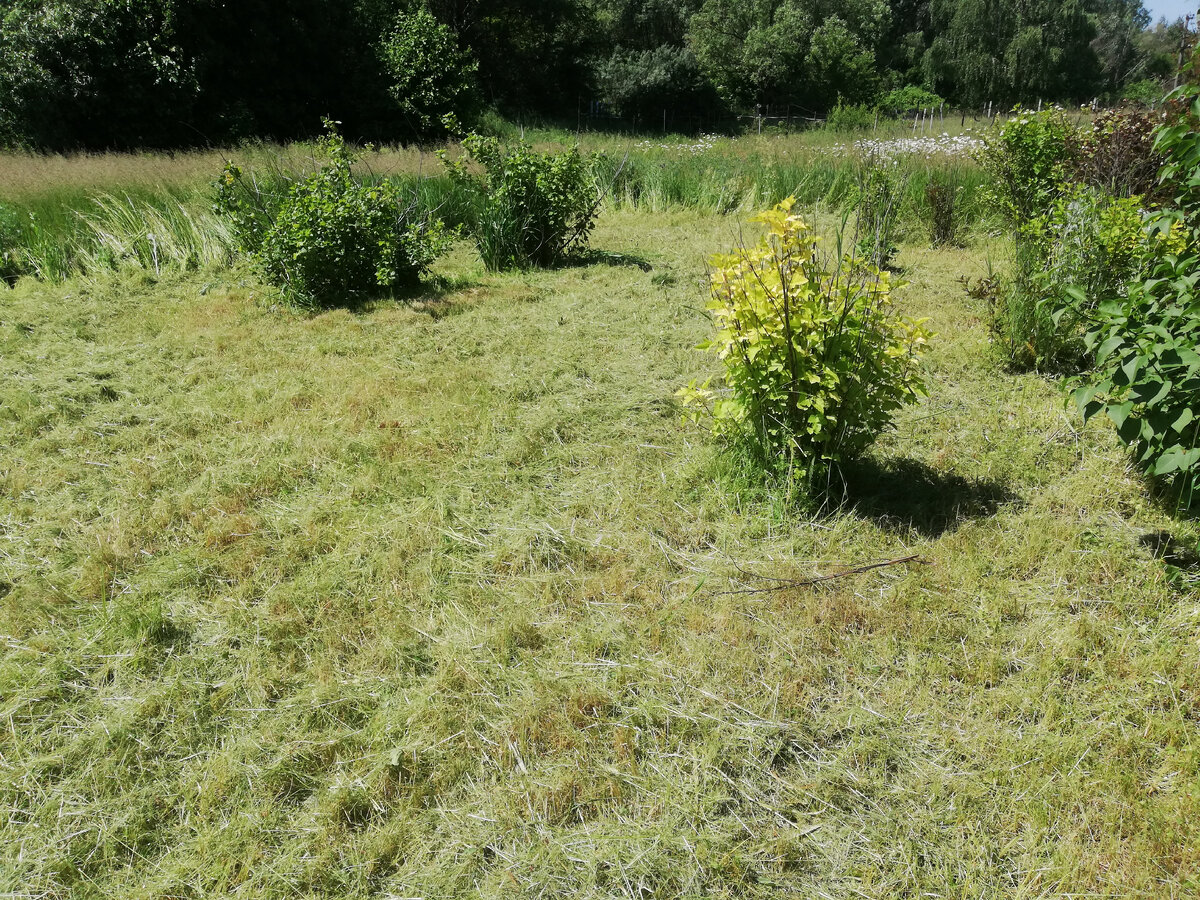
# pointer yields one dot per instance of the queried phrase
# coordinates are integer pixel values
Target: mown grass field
(441, 598)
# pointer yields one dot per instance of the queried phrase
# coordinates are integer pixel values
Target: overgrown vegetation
(1074, 197)
(169, 73)
(1145, 338)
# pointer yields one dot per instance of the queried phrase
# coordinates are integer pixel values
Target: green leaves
(815, 361)
(330, 239)
(1147, 377)
(532, 209)
(430, 75)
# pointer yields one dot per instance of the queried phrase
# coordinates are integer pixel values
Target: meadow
(441, 597)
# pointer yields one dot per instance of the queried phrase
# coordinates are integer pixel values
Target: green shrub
(851, 117)
(909, 98)
(1029, 159)
(1088, 247)
(1147, 378)
(431, 77)
(331, 238)
(816, 363)
(1146, 343)
(530, 208)
(1146, 93)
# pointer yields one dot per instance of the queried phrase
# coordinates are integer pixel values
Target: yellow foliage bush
(816, 360)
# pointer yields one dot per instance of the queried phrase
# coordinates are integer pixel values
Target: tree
(839, 66)
(805, 53)
(643, 83)
(108, 74)
(533, 54)
(1118, 25)
(752, 50)
(430, 75)
(1011, 50)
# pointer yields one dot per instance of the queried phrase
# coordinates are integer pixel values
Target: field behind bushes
(440, 597)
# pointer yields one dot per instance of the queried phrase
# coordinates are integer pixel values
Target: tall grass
(59, 236)
(91, 222)
(722, 184)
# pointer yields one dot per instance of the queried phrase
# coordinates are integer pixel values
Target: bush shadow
(585, 258)
(433, 295)
(1166, 547)
(910, 496)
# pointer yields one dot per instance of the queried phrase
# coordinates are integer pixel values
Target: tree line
(172, 73)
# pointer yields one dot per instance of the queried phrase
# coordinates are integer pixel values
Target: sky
(1171, 9)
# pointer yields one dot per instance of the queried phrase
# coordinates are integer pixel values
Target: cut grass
(434, 600)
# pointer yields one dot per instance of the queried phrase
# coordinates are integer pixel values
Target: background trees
(127, 73)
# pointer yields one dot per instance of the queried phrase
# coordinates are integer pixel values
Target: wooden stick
(786, 584)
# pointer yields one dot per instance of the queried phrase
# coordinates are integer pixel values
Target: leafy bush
(431, 77)
(909, 98)
(331, 238)
(530, 208)
(1147, 377)
(1029, 159)
(851, 117)
(1091, 245)
(816, 363)
(1116, 154)
(1147, 92)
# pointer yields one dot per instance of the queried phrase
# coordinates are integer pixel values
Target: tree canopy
(134, 73)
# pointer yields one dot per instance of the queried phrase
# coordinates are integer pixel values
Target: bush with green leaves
(816, 361)
(1146, 92)
(1082, 252)
(331, 238)
(1146, 344)
(851, 117)
(1029, 159)
(530, 208)
(1147, 369)
(431, 77)
(910, 98)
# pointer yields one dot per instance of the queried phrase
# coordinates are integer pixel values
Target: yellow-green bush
(816, 360)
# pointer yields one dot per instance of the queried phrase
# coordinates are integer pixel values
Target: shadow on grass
(602, 258)
(432, 295)
(907, 495)
(1166, 547)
